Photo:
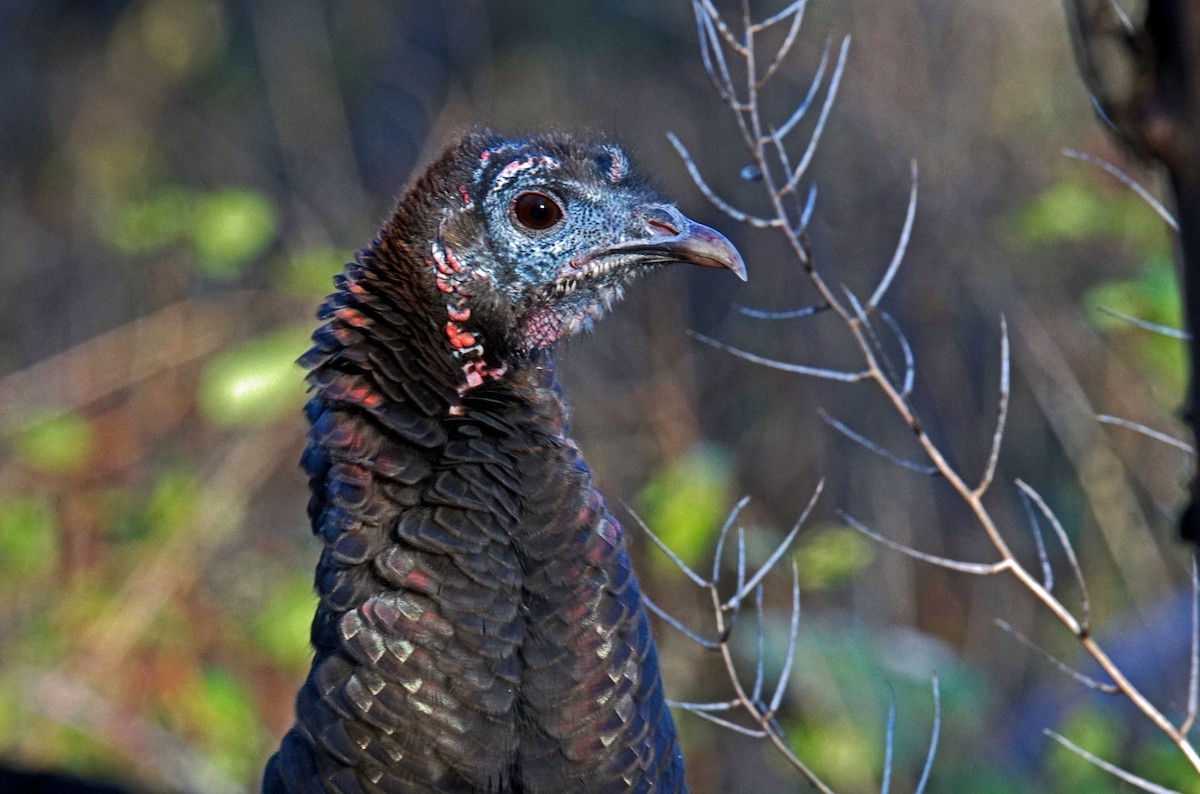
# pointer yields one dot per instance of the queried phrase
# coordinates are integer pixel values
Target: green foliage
(220, 708)
(311, 272)
(685, 503)
(140, 227)
(1074, 211)
(1152, 295)
(281, 624)
(29, 539)
(255, 383)
(829, 556)
(1092, 730)
(56, 442)
(230, 228)
(226, 229)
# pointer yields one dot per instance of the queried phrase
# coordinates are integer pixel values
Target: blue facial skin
(548, 283)
(530, 281)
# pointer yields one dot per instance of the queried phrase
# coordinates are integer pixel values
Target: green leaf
(229, 228)
(255, 383)
(1152, 295)
(311, 272)
(57, 442)
(1075, 210)
(685, 504)
(29, 540)
(220, 707)
(829, 556)
(281, 625)
(139, 227)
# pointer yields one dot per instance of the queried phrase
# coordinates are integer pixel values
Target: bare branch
(1164, 330)
(791, 314)
(1062, 667)
(760, 656)
(1194, 667)
(1067, 547)
(789, 40)
(722, 84)
(1035, 525)
(793, 633)
(1146, 431)
(834, 82)
(1116, 771)
(779, 17)
(1126, 180)
(724, 533)
(733, 726)
(744, 590)
(933, 737)
(721, 705)
(878, 450)
(909, 362)
(901, 246)
(799, 369)
(718, 21)
(703, 642)
(809, 204)
(889, 746)
(717, 201)
(675, 558)
(976, 568)
(804, 105)
(1001, 413)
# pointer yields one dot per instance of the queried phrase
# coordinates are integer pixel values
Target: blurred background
(179, 180)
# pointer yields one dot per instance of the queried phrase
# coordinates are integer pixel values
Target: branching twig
(775, 171)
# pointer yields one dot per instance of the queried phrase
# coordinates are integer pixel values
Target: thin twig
(1058, 664)
(1194, 661)
(1126, 180)
(1158, 328)
(901, 246)
(790, 314)
(1067, 548)
(1116, 771)
(920, 468)
(976, 568)
(717, 201)
(935, 734)
(1001, 413)
(799, 369)
(1147, 431)
(1039, 541)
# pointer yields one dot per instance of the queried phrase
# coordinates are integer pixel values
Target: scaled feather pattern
(479, 627)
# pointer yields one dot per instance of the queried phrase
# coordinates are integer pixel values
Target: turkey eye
(537, 211)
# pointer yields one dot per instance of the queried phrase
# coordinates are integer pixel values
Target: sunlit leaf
(229, 228)
(1099, 734)
(281, 625)
(1152, 295)
(1072, 211)
(311, 272)
(832, 555)
(685, 503)
(54, 441)
(29, 539)
(257, 382)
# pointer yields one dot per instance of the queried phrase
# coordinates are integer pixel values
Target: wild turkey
(479, 627)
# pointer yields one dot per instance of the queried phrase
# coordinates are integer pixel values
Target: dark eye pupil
(537, 210)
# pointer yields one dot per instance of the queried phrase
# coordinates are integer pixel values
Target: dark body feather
(480, 628)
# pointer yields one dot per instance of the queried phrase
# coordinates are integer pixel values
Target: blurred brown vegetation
(180, 178)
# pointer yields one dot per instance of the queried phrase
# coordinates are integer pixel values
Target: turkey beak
(672, 235)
